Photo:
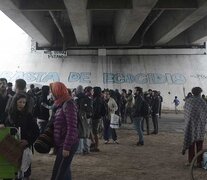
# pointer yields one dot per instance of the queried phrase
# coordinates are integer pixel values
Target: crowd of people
(79, 114)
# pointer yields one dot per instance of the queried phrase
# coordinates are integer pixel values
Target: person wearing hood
(66, 139)
(195, 115)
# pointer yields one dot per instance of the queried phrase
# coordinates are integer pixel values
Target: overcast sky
(12, 37)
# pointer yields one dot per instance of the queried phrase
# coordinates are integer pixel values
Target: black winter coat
(27, 125)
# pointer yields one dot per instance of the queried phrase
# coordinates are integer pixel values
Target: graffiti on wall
(120, 78)
(141, 78)
(37, 77)
(199, 76)
(108, 78)
(55, 54)
(83, 77)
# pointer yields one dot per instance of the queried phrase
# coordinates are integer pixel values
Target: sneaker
(106, 142)
(52, 151)
(116, 142)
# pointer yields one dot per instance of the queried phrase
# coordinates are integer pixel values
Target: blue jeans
(61, 168)
(138, 127)
(84, 146)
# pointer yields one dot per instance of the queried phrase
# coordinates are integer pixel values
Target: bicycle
(198, 173)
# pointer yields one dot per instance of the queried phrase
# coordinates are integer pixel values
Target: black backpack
(145, 108)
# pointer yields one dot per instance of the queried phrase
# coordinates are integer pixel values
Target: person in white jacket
(112, 108)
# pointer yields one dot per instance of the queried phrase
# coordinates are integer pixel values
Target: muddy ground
(159, 159)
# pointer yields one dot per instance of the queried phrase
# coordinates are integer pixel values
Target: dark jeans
(191, 151)
(123, 111)
(155, 122)
(61, 168)
(128, 113)
(145, 118)
(137, 125)
(160, 110)
(108, 131)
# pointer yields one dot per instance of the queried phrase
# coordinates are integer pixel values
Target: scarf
(60, 92)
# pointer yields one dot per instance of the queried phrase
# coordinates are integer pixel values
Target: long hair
(60, 92)
(13, 109)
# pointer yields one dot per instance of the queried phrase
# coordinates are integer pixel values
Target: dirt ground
(159, 159)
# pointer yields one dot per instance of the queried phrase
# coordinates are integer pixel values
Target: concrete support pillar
(127, 22)
(80, 20)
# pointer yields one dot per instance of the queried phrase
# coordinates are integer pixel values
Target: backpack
(145, 108)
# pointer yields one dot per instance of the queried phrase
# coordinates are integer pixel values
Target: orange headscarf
(60, 92)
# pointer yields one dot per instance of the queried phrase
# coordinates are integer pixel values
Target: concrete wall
(173, 75)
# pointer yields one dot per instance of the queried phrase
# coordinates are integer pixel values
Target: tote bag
(114, 123)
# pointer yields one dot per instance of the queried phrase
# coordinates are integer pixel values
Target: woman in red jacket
(65, 131)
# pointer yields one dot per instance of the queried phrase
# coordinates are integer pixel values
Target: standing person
(9, 89)
(161, 100)
(19, 117)
(155, 111)
(89, 93)
(85, 111)
(65, 131)
(136, 114)
(42, 109)
(4, 99)
(98, 113)
(188, 96)
(112, 108)
(195, 114)
(123, 105)
(176, 102)
(117, 97)
(146, 113)
(129, 105)
(20, 87)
